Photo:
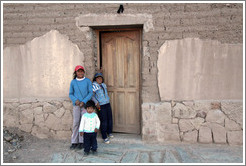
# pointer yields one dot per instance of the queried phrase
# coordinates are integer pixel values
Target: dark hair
(90, 103)
(74, 75)
(98, 75)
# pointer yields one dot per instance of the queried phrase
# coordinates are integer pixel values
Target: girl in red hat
(80, 92)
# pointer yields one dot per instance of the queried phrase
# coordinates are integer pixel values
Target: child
(101, 98)
(88, 128)
(80, 92)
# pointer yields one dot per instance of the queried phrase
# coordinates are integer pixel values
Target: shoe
(73, 146)
(86, 153)
(111, 136)
(94, 152)
(106, 141)
(80, 146)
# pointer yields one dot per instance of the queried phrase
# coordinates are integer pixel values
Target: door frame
(99, 59)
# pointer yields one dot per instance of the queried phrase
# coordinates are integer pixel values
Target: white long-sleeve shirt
(89, 122)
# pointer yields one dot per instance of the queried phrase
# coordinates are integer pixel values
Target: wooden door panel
(120, 63)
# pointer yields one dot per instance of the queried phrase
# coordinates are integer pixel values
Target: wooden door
(120, 64)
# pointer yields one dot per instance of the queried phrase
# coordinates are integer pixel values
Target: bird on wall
(121, 9)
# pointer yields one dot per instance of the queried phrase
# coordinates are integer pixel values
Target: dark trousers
(105, 116)
(90, 142)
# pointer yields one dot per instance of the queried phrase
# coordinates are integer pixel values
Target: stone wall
(218, 122)
(44, 119)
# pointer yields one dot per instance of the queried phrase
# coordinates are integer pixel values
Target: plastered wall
(41, 68)
(195, 69)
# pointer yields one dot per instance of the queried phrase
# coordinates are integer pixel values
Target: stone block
(231, 125)
(175, 120)
(68, 105)
(216, 105)
(48, 108)
(26, 116)
(185, 125)
(60, 112)
(234, 111)
(10, 116)
(26, 127)
(67, 118)
(38, 110)
(55, 103)
(197, 122)
(235, 137)
(38, 119)
(168, 133)
(219, 133)
(52, 122)
(163, 116)
(216, 116)
(190, 136)
(40, 132)
(182, 111)
(24, 106)
(201, 114)
(205, 135)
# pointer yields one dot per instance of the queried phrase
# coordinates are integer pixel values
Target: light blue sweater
(80, 90)
(99, 94)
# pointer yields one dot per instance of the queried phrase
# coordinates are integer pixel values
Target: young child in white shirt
(89, 127)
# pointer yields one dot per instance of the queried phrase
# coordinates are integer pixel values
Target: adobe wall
(36, 111)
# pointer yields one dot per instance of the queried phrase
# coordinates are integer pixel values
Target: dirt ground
(40, 152)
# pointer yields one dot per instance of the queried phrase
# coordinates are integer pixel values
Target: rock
(8, 138)
(60, 112)
(219, 133)
(38, 110)
(24, 106)
(11, 150)
(48, 108)
(215, 116)
(234, 111)
(185, 125)
(190, 136)
(183, 111)
(201, 114)
(231, 125)
(205, 135)
(68, 105)
(235, 137)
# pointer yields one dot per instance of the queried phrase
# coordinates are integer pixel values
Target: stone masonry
(193, 121)
(44, 119)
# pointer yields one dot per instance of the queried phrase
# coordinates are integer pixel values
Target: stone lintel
(94, 20)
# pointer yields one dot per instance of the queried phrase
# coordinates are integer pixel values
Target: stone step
(123, 138)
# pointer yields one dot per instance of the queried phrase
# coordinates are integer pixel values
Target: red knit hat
(79, 67)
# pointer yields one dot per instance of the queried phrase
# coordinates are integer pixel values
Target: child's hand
(96, 130)
(81, 104)
(98, 106)
(81, 133)
(77, 102)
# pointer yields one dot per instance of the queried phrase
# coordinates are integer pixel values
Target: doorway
(119, 51)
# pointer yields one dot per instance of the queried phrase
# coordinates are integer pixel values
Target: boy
(101, 98)
(88, 128)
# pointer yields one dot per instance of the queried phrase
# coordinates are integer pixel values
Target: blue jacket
(99, 94)
(80, 90)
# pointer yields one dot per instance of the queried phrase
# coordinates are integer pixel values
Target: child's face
(90, 109)
(99, 80)
(80, 73)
